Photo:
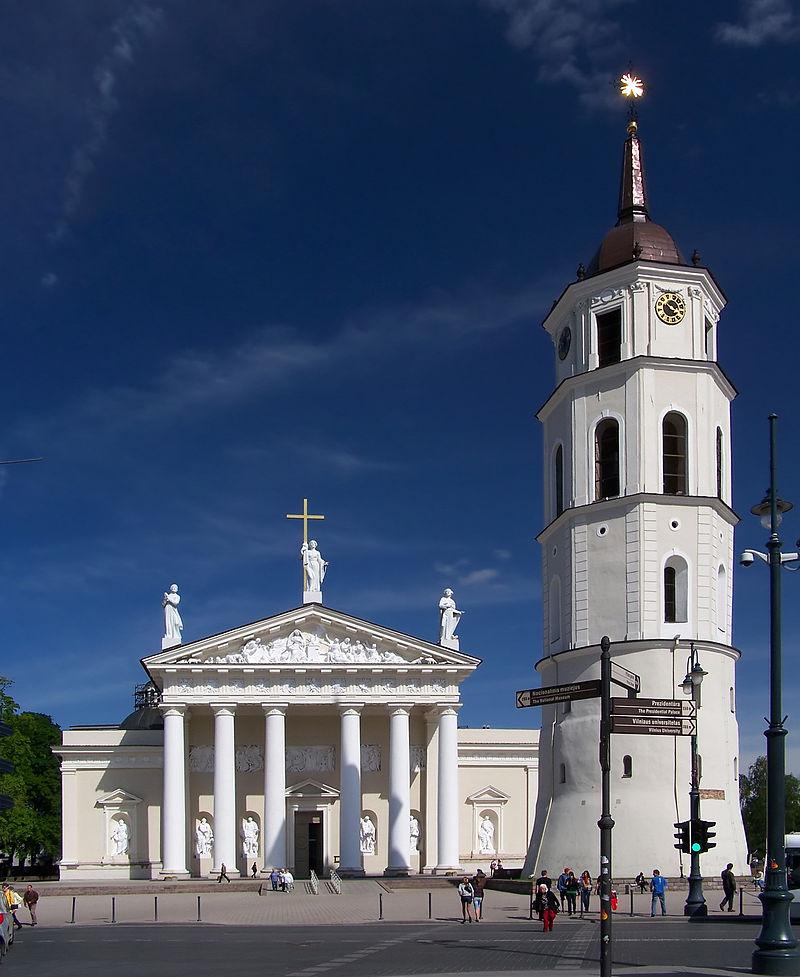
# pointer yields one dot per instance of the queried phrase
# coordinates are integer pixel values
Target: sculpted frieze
(310, 759)
(314, 685)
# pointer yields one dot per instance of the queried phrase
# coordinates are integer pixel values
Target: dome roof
(634, 237)
(148, 717)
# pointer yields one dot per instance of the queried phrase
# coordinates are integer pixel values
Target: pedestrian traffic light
(701, 834)
(682, 834)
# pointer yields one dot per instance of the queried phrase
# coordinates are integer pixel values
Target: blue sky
(258, 252)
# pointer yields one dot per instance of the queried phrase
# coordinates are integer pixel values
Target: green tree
(753, 798)
(32, 828)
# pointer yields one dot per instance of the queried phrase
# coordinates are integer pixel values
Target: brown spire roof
(634, 237)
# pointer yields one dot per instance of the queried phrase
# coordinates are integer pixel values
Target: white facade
(638, 545)
(308, 725)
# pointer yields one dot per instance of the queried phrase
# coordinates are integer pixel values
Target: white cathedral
(313, 739)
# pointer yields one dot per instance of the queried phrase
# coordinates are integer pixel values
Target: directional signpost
(558, 693)
(628, 680)
(660, 717)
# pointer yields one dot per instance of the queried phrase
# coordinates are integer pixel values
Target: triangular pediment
(312, 635)
(119, 798)
(488, 795)
(312, 788)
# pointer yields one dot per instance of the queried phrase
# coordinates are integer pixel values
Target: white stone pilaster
(399, 790)
(447, 792)
(350, 858)
(224, 788)
(274, 827)
(173, 808)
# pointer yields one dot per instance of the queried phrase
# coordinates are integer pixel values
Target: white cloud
(484, 575)
(576, 43)
(49, 279)
(762, 21)
(137, 23)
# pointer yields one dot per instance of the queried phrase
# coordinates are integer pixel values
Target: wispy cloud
(576, 43)
(136, 24)
(762, 22)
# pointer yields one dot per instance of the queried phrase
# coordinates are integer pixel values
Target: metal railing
(313, 883)
(336, 882)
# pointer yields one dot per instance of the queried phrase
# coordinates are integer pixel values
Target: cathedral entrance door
(308, 843)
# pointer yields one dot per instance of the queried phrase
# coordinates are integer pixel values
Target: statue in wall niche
(486, 836)
(314, 566)
(367, 835)
(415, 833)
(119, 837)
(250, 834)
(173, 624)
(449, 616)
(204, 839)
(296, 647)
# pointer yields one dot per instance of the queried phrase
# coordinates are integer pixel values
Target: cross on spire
(305, 515)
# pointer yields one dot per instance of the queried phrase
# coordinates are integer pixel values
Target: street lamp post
(695, 900)
(776, 951)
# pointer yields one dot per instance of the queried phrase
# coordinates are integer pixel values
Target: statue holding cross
(314, 567)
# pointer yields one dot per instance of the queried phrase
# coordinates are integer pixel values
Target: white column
(350, 859)
(274, 827)
(224, 788)
(173, 807)
(447, 791)
(399, 791)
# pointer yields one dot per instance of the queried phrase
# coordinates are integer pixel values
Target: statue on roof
(173, 624)
(314, 569)
(449, 616)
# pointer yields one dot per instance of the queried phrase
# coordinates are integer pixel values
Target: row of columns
(174, 815)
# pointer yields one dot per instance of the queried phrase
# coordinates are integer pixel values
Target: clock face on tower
(564, 341)
(670, 308)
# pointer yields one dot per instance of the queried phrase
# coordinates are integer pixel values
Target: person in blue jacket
(658, 886)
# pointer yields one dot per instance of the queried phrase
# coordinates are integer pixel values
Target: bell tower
(637, 544)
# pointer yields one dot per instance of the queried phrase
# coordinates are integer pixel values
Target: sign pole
(606, 822)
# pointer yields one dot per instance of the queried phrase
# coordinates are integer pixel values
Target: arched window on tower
(627, 766)
(555, 610)
(722, 599)
(609, 337)
(676, 590)
(606, 459)
(676, 480)
(558, 478)
(719, 463)
(562, 773)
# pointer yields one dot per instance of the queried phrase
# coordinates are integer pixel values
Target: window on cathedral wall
(606, 460)
(709, 339)
(558, 478)
(674, 443)
(722, 599)
(627, 767)
(609, 337)
(562, 773)
(676, 590)
(732, 699)
(719, 462)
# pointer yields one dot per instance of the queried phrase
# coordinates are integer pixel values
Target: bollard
(430, 905)
(73, 910)
(741, 893)
(155, 909)
(113, 909)
(631, 900)
(198, 910)
(380, 905)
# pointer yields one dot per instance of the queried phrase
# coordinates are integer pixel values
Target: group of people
(281, 879)
(570, 888)
(471, 892)
(13, 902)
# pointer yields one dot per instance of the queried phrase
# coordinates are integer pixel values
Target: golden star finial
(630, 86)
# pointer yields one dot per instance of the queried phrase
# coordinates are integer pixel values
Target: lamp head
(763, 510)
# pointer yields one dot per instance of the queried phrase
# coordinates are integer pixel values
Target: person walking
(571, 892)
(540, 902)
(13, 901)
(466, 894)
(561, 885)
(658, 886)
(550, 910)
(288, 881)
(544, 879)
(586, 891)
(254, 871)
(223, 873)
(728, 887)
(478, 887)
(274, 879)
(30, 898)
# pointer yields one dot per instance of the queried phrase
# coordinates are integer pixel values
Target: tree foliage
(753, 797)
(32, 828)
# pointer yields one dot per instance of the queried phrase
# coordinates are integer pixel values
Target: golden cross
(305, 516)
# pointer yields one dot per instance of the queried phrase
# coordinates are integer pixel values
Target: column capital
(399, 708)
(443, 709)
(275, 708)
(223, 708)
(173, 708)
(351, 708)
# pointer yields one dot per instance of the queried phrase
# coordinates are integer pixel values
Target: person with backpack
(561, 885)
(571, 892)
(467, 894)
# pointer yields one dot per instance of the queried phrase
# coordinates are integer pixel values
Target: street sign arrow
(628, 680)
(654, 725)
(654, 707)
(558, 693)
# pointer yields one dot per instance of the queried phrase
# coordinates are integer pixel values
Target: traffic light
(682, 834)
(701, 834)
